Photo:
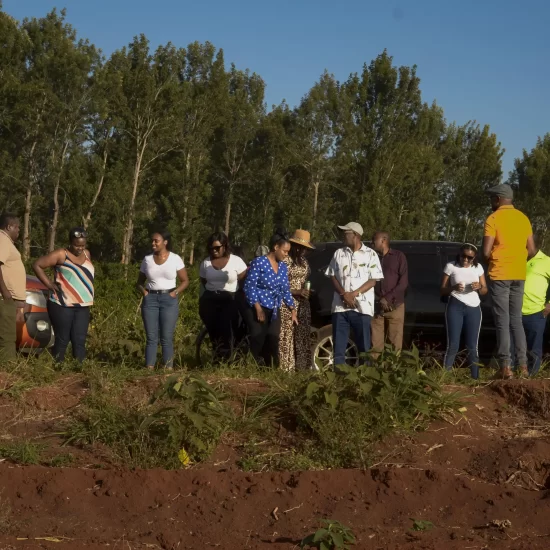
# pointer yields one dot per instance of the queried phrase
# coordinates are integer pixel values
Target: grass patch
(21, 452)
(185, 414)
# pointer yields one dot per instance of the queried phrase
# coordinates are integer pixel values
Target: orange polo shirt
(511, 229)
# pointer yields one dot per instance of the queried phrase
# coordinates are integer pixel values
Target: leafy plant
(421, 525)
(333, 535)
(21, 452)
(195, 421)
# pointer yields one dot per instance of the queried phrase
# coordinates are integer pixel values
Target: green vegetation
(421, 525)
(333, 536)
(21, 452)
(181, 138)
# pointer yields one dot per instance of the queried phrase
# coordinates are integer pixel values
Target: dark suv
(424, 309)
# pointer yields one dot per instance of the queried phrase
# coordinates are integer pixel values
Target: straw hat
(302, 237)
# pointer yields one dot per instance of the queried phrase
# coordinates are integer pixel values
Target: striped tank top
(77, 283)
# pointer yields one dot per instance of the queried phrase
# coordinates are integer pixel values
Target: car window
(424, 269)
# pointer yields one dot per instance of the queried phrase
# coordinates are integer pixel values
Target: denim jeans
(459, 318)
(341, 324)
(507, 301)
(70, 324)
(160, 315)
(534, 326)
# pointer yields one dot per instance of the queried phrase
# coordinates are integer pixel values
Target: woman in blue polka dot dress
(266, 288)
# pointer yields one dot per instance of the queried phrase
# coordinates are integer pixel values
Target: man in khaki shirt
(13, 282)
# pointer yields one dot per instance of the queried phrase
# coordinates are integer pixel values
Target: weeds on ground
(185, 414)
(6, 525)
(333, 536)
(421, 525)
(338, 417)
(21, 452)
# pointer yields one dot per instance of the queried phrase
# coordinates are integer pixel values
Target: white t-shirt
(161, 277)
(225, 279)
(466, 275)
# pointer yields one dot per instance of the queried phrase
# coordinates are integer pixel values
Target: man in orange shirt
(507, 243)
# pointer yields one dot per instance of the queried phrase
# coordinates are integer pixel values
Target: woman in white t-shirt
(463, 282)
(220, 274)
(160, 307)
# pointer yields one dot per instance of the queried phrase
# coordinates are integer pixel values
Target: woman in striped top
(72, 293)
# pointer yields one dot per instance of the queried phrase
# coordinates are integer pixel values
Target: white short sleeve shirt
(225, 279)
(352, 270)
(161, 277)
(466, 275)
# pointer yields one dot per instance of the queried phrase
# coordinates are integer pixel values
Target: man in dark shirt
(389, 316)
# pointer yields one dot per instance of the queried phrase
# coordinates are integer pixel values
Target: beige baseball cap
(352, 226)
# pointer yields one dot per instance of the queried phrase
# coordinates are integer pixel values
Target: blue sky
(484, 60)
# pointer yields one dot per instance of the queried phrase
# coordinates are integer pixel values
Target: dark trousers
(460, 318)
(263, 338)
(8, 333)
(160, 314)
(342, 322)
(219, 314)
(534, 326)
(70, 325)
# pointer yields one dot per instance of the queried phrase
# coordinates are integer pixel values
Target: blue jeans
(341, 324)
(534, 326)
(70, 324)
(461, 317)
(160, 314)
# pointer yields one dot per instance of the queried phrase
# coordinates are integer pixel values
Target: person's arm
(481, 286)
(6, 294)
(287, 295)
(251, 289)
(531, 248)
(489, 235)
(140, 285)
(45, 262)
(184, 282)
(402, 281)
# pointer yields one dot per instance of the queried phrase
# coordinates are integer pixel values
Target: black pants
(263, 337)
(70, 324)
(219, 314)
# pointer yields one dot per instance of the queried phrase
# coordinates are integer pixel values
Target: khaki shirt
(12, 267)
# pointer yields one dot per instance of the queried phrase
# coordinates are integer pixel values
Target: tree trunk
(185, 210)
(28, 207)
(192, 253)
(55, 219)
(315, 204)
(86, 219)
(228, 208)
(129, 230)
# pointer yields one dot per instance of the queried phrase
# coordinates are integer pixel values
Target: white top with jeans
(161, 277)
(467, 276)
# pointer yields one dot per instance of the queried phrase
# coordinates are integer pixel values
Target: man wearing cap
(507, 243)
(13, 281)
(354, 270)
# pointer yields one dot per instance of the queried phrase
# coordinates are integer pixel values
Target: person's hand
(459, 287)
(349, 299)
(55, 287)
(305, 293)
(294, 317)
(260, 314)
(476, 286)
(174, 294)
(384, 304)
(546, 310)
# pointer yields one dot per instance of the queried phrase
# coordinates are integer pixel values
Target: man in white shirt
(354, 271)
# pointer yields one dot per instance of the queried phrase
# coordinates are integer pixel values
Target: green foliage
(333, 535)
(342, 415)
(196, 419)
(421, 525)
(21, 452)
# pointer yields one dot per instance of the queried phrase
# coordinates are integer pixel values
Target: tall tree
(144, 104)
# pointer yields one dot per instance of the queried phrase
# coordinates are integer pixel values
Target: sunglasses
(215, 248)
(79, 234)
(466, 257)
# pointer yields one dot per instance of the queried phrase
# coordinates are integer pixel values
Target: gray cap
(503, 190)
(352, 226)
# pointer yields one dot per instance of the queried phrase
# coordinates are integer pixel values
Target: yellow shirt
(511, 229)
(12, 267)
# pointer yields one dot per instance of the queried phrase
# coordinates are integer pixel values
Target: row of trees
(173, 138)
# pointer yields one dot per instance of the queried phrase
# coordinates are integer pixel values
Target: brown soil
(482, 478)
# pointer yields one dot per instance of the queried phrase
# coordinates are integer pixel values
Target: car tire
(323, 350)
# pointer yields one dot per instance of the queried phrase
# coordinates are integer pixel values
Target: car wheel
(323, 350)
